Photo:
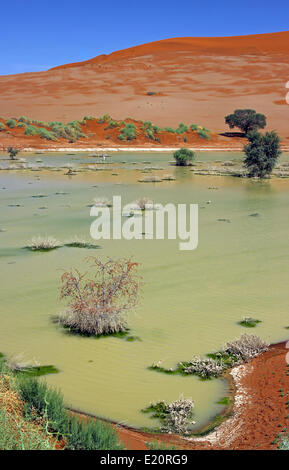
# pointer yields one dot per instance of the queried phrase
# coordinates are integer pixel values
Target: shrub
(183, 156)
(194, 127)
(128, 132)
(101, 202)
(247, 347)
(262, 153)
(104, 118)
(170, 129)
(204, 367)
(203, 134)
(175, 417)
(43, 243)
(45, 134)
(98, 305)
(181, 128)
(284, 444)
(31, 130)
(144, 203)
(2, 127)
(12, 152)
(249, 322)
(11, 123)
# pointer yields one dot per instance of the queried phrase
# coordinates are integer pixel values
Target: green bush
(31, 130)
(11, 123)
(182, 128)
(203, 134)
(183, 156)
(2, 127)
(170, 129)
(262, 153)
(194, 127)
(128, 132)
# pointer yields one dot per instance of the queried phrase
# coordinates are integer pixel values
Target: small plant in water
(98, 304)
(175, 417)
(78, 242)
(204, 367)
(101, 202)
(144, 203)
(43, 243)
(249, 322)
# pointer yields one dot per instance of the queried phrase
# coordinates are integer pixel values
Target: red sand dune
(197, 80)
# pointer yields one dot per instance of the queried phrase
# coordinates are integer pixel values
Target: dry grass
(43, 243)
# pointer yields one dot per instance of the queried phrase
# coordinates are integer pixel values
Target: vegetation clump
(262, 153)
(128, 132)
(204, 367)
(43, 243)
(13, 152)
(249, 322)
(215, 364)
(175, 417)
(184, 157)
(98, 304)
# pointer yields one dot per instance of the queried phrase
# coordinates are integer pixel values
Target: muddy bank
(259, 413)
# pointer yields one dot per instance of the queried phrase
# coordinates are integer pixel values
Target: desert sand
(195, 80)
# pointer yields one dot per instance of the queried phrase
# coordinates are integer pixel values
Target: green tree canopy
(183, 156)
(262, 153)
(246, 119)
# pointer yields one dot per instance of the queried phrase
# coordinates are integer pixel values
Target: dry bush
(101, 202)
(43, 243)
(247, 347)
(205, 367)
(98, 305)
(144, 203)
(175, 417)
(19, 363)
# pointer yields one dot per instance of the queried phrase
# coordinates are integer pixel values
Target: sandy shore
(258, 415)
(135, 149)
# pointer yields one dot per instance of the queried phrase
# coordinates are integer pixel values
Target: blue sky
(38, 35)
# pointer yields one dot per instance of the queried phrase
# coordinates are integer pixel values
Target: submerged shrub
(175, 417)
(98, 305)
(204, 367)
(144, 203)
(101, 202)
(247, 347)
(43, 243)
(184, 156)
(249, 322)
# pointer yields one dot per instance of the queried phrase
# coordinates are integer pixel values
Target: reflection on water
(192, 301)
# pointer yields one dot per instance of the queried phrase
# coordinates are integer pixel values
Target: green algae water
(191, 302)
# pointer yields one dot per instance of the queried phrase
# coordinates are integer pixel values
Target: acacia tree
(246, 119)
(98, 304)
(262, 153)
